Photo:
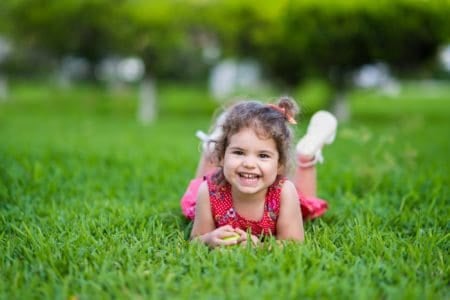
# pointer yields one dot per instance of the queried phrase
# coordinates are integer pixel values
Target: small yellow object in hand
(233, 237)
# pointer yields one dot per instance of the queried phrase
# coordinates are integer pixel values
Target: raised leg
(321, 130)
(305, 177)
(205, 166)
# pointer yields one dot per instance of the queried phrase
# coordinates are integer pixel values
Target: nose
(249, 162)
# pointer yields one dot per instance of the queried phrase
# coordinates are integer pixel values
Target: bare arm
(203, 222)
(290, 221)
(204, 229)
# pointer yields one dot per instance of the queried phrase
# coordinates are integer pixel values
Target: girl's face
(250, 163)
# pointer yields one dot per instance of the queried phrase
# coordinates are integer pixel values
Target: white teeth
(249, 175)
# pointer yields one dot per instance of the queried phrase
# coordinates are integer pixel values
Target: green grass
(89, 203)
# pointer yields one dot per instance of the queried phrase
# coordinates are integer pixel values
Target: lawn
(89, 202)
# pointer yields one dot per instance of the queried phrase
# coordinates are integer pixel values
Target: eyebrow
(235, 148)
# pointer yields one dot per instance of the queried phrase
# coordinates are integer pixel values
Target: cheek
(274, 168)
(226, 161)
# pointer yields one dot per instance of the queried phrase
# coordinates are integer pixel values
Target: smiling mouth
(248, 176)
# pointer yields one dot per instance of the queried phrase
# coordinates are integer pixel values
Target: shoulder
(288, 195)
(282, 195)
(203, 192)
(203, 203)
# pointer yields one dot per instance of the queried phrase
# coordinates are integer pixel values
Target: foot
(321, 130)
(209, 140)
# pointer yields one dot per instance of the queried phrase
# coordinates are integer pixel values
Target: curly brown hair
(268, 121)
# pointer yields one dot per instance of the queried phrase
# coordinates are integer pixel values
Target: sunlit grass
(89, 203)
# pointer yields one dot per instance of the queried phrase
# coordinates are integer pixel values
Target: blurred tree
(330, 39)
(293, 39)
(160, 32)
(83, 28)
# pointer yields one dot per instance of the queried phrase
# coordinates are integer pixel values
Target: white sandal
(321, 130)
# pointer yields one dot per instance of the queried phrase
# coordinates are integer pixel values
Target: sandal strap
(318, 158)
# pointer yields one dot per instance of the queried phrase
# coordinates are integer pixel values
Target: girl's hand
(247, 238)
(216, 237)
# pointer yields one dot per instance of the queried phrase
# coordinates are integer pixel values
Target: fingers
(228, 236)
(224, 236)
(225, 231)
(242, 234)
(240, 231)
(253, 240)
(226, 228)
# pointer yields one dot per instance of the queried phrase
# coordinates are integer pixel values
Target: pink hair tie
(282, 110)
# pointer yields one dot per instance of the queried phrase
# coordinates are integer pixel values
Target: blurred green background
(99, 104)
(292, 41)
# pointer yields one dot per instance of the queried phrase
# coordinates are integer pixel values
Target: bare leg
(205, 166)
(321, 130)
(305, 177)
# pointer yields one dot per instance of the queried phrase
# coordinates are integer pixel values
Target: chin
(250, 190)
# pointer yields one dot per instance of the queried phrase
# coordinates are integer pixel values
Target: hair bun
(289, 105)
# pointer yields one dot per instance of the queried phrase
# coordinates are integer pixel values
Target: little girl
(241, 184)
